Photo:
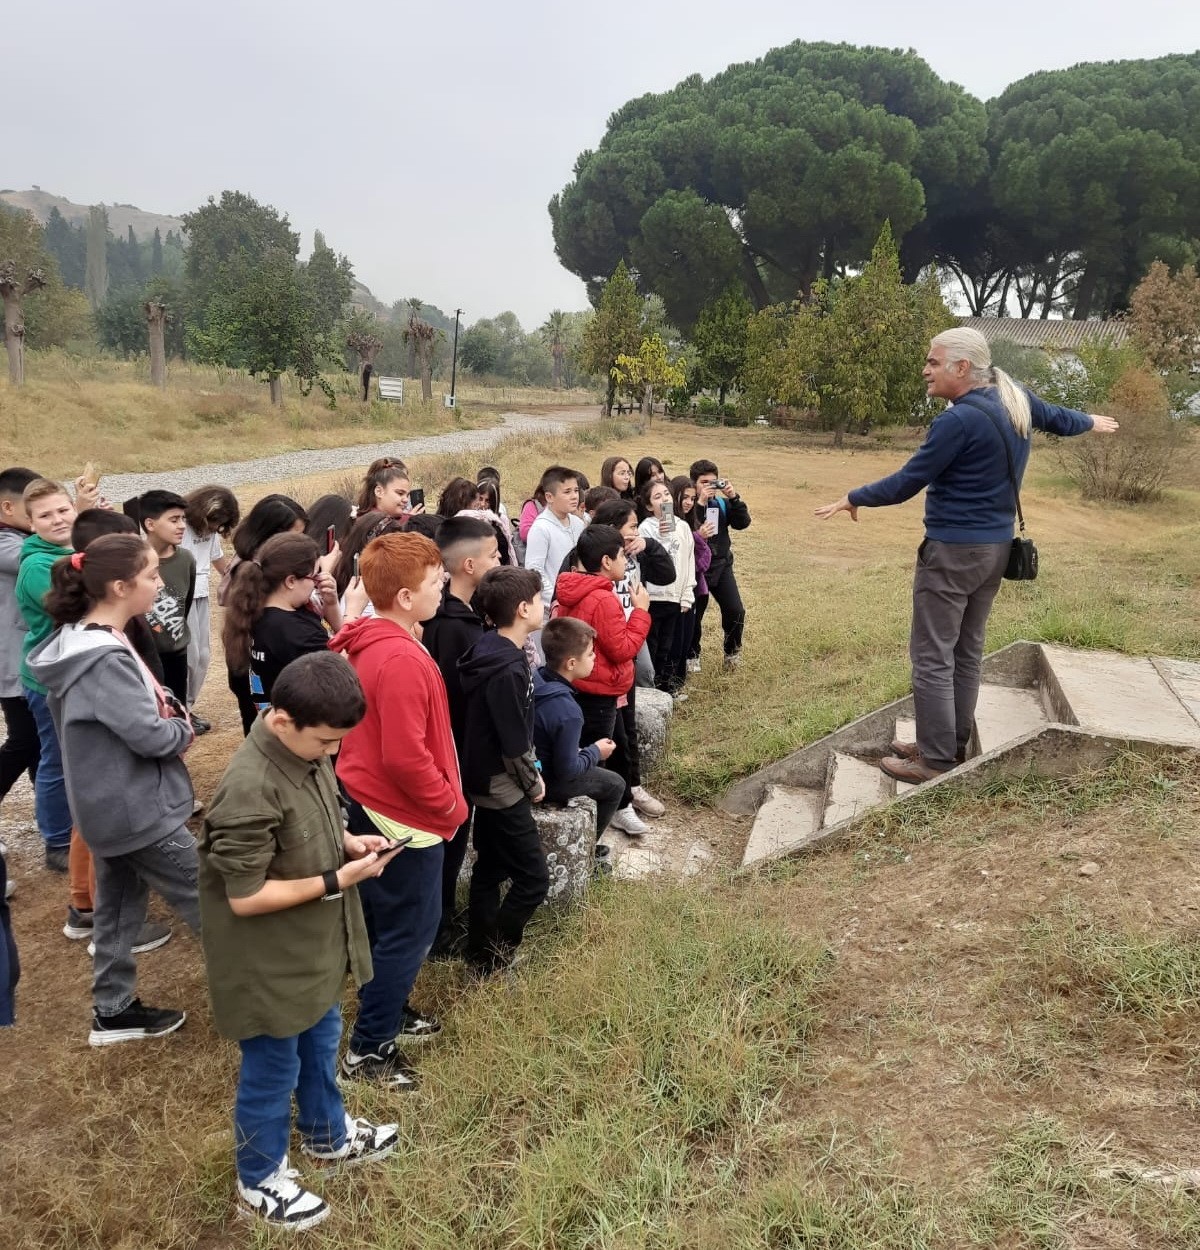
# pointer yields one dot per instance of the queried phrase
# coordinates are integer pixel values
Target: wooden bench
(391, 388)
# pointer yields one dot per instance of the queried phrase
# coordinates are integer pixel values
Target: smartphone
(666, 522)
(330, 538)
(712, 515)
(416, 497)
(356, 566)
(89, 474)
(398, 844)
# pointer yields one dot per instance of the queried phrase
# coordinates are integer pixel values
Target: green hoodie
(33, 582)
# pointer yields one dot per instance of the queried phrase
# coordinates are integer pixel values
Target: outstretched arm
(832, 509)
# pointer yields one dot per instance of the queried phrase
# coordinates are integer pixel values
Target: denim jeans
(10, 967)
(49, 788)
(403, 907)
(123, 884)
(273, 1069)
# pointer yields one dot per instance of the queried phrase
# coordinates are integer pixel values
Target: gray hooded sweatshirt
(127, 785)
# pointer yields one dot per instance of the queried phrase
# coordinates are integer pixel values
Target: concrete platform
(1004, 713)
(1121, 694)
(785, 821)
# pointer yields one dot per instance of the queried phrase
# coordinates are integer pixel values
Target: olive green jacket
(275, 817)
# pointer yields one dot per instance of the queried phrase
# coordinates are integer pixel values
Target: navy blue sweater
(557, 726)
(962, 463)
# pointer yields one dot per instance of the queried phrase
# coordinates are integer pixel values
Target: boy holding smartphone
(281, 925)
(400, 769)
(722, 505)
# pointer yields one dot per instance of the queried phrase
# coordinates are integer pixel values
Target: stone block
(568, 836)
(654, 709)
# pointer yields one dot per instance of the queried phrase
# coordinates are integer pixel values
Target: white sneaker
(646, 803)
(364, 1143)
(732, 661)
(10, 888)
(280, 1202)
(693, 665)
(628, 821)
(680, 696)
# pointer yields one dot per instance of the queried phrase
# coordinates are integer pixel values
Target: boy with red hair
(400, 769)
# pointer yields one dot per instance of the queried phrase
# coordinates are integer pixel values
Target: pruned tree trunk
(557, 353)
(412, 359)
(156, 323)
(276, 389)
(427, 374)
(610, 394)
(14, 334)
(13, 290)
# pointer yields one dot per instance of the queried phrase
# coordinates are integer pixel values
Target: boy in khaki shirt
(281, 925)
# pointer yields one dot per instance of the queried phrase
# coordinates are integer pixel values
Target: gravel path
(293, 464)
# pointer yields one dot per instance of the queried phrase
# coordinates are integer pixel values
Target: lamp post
(454, 357)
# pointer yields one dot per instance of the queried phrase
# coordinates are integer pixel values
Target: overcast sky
(425, 140)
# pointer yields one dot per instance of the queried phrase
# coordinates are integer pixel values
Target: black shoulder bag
(1023, 558)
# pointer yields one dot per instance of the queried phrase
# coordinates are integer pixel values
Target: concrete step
(787, 819)
(1120, 695)
(1004, 713)
(854, 785)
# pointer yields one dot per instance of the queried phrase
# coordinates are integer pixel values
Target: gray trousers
(123, 885)
(953, 589)
(199, 649)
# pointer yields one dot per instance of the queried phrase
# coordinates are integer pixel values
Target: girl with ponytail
(122, 736)
(269, 619)
(970, 467)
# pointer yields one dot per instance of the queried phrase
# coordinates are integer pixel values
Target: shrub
(1131, 466)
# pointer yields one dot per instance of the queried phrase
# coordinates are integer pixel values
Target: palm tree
(554, 335)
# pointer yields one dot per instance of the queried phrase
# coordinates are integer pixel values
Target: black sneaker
(58, 858)
(200, 725)
(134, 1024)
(416, 1028)
(385, 1066)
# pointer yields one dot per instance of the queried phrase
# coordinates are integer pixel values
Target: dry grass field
(935, 1035)
(73, 409)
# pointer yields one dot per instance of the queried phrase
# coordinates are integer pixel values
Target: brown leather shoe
(913, 771)
(908, 751)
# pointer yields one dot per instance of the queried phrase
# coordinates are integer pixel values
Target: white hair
(969, 345)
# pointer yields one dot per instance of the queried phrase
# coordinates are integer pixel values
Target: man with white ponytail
(963, 465)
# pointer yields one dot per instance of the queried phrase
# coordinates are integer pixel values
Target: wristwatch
(332, 889)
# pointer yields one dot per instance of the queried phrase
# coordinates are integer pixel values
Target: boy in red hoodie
(400, 768)
(589, 597)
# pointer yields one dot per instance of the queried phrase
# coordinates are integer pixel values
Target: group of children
(456, 688)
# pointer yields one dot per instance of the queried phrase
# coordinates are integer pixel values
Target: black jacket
(653, 565)
(734, 515)
(499, 766)
(448, 637)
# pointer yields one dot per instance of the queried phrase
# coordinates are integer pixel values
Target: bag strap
(1012, 474)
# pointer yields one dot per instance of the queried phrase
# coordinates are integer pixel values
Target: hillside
(120, 216)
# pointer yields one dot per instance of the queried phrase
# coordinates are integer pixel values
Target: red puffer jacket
(590, 597)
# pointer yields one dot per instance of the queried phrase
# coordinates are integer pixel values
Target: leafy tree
(650, 371)
(1102, 160)
(554, 332)
(1165, 317)
(58, 316)
(120, 323)
(156, 253)
(852, 351)
(24, 269)
(719, 339)
(479, 347)
(615, 330)
(770, 175)
(68, 245)
(332, 280)
(363, 339)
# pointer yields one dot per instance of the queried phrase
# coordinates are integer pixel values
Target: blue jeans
(273, 1069)
(403, 908)
(49, 787)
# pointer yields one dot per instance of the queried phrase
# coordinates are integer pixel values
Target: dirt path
(289, 465)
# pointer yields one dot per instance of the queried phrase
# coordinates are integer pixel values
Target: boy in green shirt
(281, 925)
